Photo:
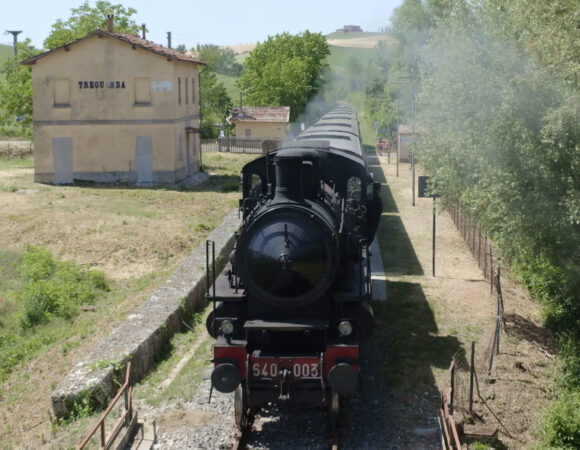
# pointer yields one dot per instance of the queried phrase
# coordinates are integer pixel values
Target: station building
(112, 107)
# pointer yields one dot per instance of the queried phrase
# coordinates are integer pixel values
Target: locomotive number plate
(303, 368)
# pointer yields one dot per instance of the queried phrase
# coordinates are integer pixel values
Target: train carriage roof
(336, 139)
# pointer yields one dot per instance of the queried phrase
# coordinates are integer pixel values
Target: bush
(55, 288)
(37, 264)
(561, 426)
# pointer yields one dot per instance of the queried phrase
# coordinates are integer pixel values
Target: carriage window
(353, 188)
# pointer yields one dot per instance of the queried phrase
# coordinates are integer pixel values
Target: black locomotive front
(290, 309)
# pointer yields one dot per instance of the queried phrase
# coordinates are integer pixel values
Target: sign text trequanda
(101, 85)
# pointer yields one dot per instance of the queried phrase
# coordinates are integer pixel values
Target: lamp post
(15, 37)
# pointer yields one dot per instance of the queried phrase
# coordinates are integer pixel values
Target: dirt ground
(464, 310)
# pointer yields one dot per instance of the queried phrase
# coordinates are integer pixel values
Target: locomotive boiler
(292, 306)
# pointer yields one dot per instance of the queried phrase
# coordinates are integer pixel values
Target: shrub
(55, 288)
(37, 264)
(561, 425)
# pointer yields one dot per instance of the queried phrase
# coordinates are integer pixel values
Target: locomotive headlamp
(227, 326)
(345, 328)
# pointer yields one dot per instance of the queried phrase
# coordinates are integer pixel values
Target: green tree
(86, 19)
(16, 93)
(215, 103)
(219, 59)
(285, 70)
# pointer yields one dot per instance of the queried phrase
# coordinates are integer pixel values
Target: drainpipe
(200, 118)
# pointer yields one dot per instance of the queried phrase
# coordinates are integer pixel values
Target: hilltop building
(350, 29)
(113, 107)
(260, 121)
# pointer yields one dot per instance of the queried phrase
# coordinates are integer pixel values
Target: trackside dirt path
(428, 320)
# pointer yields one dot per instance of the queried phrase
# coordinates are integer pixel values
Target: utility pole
(15, 36)
(398, 143)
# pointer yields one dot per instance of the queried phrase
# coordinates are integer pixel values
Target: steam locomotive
(292, 305)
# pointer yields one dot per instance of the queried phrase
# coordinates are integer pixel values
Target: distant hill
(351, 35)
(356, 40)
(336, 39)
(6, 51)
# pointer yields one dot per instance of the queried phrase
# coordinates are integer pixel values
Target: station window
(61, 92)
(143, 91)
(186, 91)
(179, 90)
(248, 132)
(192, 90)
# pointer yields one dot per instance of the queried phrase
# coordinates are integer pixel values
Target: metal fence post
(479, 246)
(490, 269)
(471, 379)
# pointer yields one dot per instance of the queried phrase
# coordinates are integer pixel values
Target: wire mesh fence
(467, 369)
(477, 241)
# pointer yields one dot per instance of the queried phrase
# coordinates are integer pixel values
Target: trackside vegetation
(497, 89)
(37, 289)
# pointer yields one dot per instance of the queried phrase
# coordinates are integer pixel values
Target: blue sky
(221, 22)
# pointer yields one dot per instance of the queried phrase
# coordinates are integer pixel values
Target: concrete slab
(378, 277)
(146, 331)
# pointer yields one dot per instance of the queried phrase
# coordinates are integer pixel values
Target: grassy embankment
(136, 236)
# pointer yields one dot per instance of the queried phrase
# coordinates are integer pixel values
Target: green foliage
(498, 106)
(561, 426)
(221, 60)
(54, 289)
(86, 19)
(285, 70)
(16, 94)
(215, 102)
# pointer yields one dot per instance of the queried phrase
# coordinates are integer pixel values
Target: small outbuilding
(114, 107)
(261, 121)
(406, 135)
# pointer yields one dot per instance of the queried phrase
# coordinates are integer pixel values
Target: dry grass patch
(127, 232)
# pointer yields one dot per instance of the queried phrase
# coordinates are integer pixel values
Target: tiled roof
(131, 39)
(261, 114)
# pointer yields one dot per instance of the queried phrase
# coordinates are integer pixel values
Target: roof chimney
(110, 23)
(169, 39)
(143, 31)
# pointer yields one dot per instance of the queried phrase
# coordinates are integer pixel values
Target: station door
(144, 157)
(62, 152)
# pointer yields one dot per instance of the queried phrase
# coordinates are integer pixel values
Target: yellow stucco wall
(103, 118)
(261, 129)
